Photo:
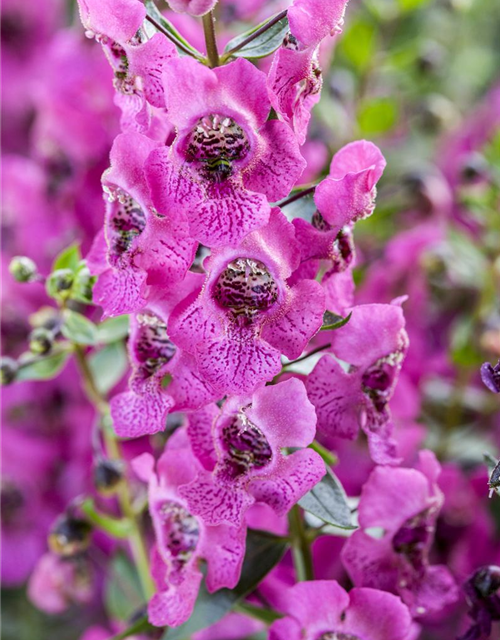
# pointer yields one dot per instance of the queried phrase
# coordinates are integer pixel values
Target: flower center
(246, 287)
(413, 538)
(377, 383)
(245, 448)
(181, 533)
(153, 348)
(216, 142)
(127, 221)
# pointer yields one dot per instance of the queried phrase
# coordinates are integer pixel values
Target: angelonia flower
(239, 408)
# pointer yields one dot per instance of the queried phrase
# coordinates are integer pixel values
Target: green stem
(297, 196)
(210, 40)
(258, 613)
(135, 537)
(171, 37)
(329, 458)
(137, 627)
(301, 550)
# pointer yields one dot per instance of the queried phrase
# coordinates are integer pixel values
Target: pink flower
(397, 516)
(192, 7)
(228, 160)
(137, 247)
(322, 610)
(240, 450)
(58, 582)
(182, 540)
(144, 408)
(137, 61)
(246, 315)
(373, 343)
(295, 79)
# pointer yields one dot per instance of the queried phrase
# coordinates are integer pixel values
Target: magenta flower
(323, 610)
(246, 315)
(373, 343)
(228, 160)
(295, 80)
(57, 582)
(490, 375)
(144, 408)
(137, 61)
(182, 540)
(192, 7)
(137, 249)
(397, 515)
(240, 450)
(482, 590)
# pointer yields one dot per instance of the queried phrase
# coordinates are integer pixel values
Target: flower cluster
(233, 348)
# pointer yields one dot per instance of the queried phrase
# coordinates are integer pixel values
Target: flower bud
(69, 536)
(59, 282)
(108, 475)
(474, 167)
(22, 269)
(8, 369)
(41, 341)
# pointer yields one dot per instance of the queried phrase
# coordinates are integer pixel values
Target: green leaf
(263, 552)
(78, 328)
(334, 323)
(328, 502)
(411, 5)
(108, 366)
(69, 258)
(264, 44)
(113, 329)
(123, 594)
(153, 11)
(43, 369)
(377, 116)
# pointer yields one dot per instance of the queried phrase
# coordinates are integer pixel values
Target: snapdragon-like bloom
(138, 248)
(295, 79)
(322, 610)
(227, 160)
(182, 539)
(482, 590)
(246, 315)
(240, 450)
(136, 59)
(373, 343)
(152, 395)
(397, 517)
(345, 196)
(57, 582)
(490, 375)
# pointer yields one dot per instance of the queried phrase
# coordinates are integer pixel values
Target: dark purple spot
(413, 538)
(337, 635)
(377, 383)
(127, 221)
(181, 532)
(245, 448)
(153, 348)
(246, 287)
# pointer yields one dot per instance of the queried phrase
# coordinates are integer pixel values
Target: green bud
(69, 536)
(41, 341)
(22, 269)
(8, 370)
(108, 475)
(59, 283)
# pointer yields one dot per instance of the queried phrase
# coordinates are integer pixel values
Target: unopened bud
(22, 269)
(8, 369)
(41, 341)
(474, 167)
(59, 282)
(108, 474)
(69, 536)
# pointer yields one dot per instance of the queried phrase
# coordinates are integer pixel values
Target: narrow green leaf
(337, 323)
(44, 368)
(69, 258)
(113, 329)
(123, 595)
(264, 44)
(108, 366)
(263, 552)
(140, 626)
(328, 502)
(78, 328)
